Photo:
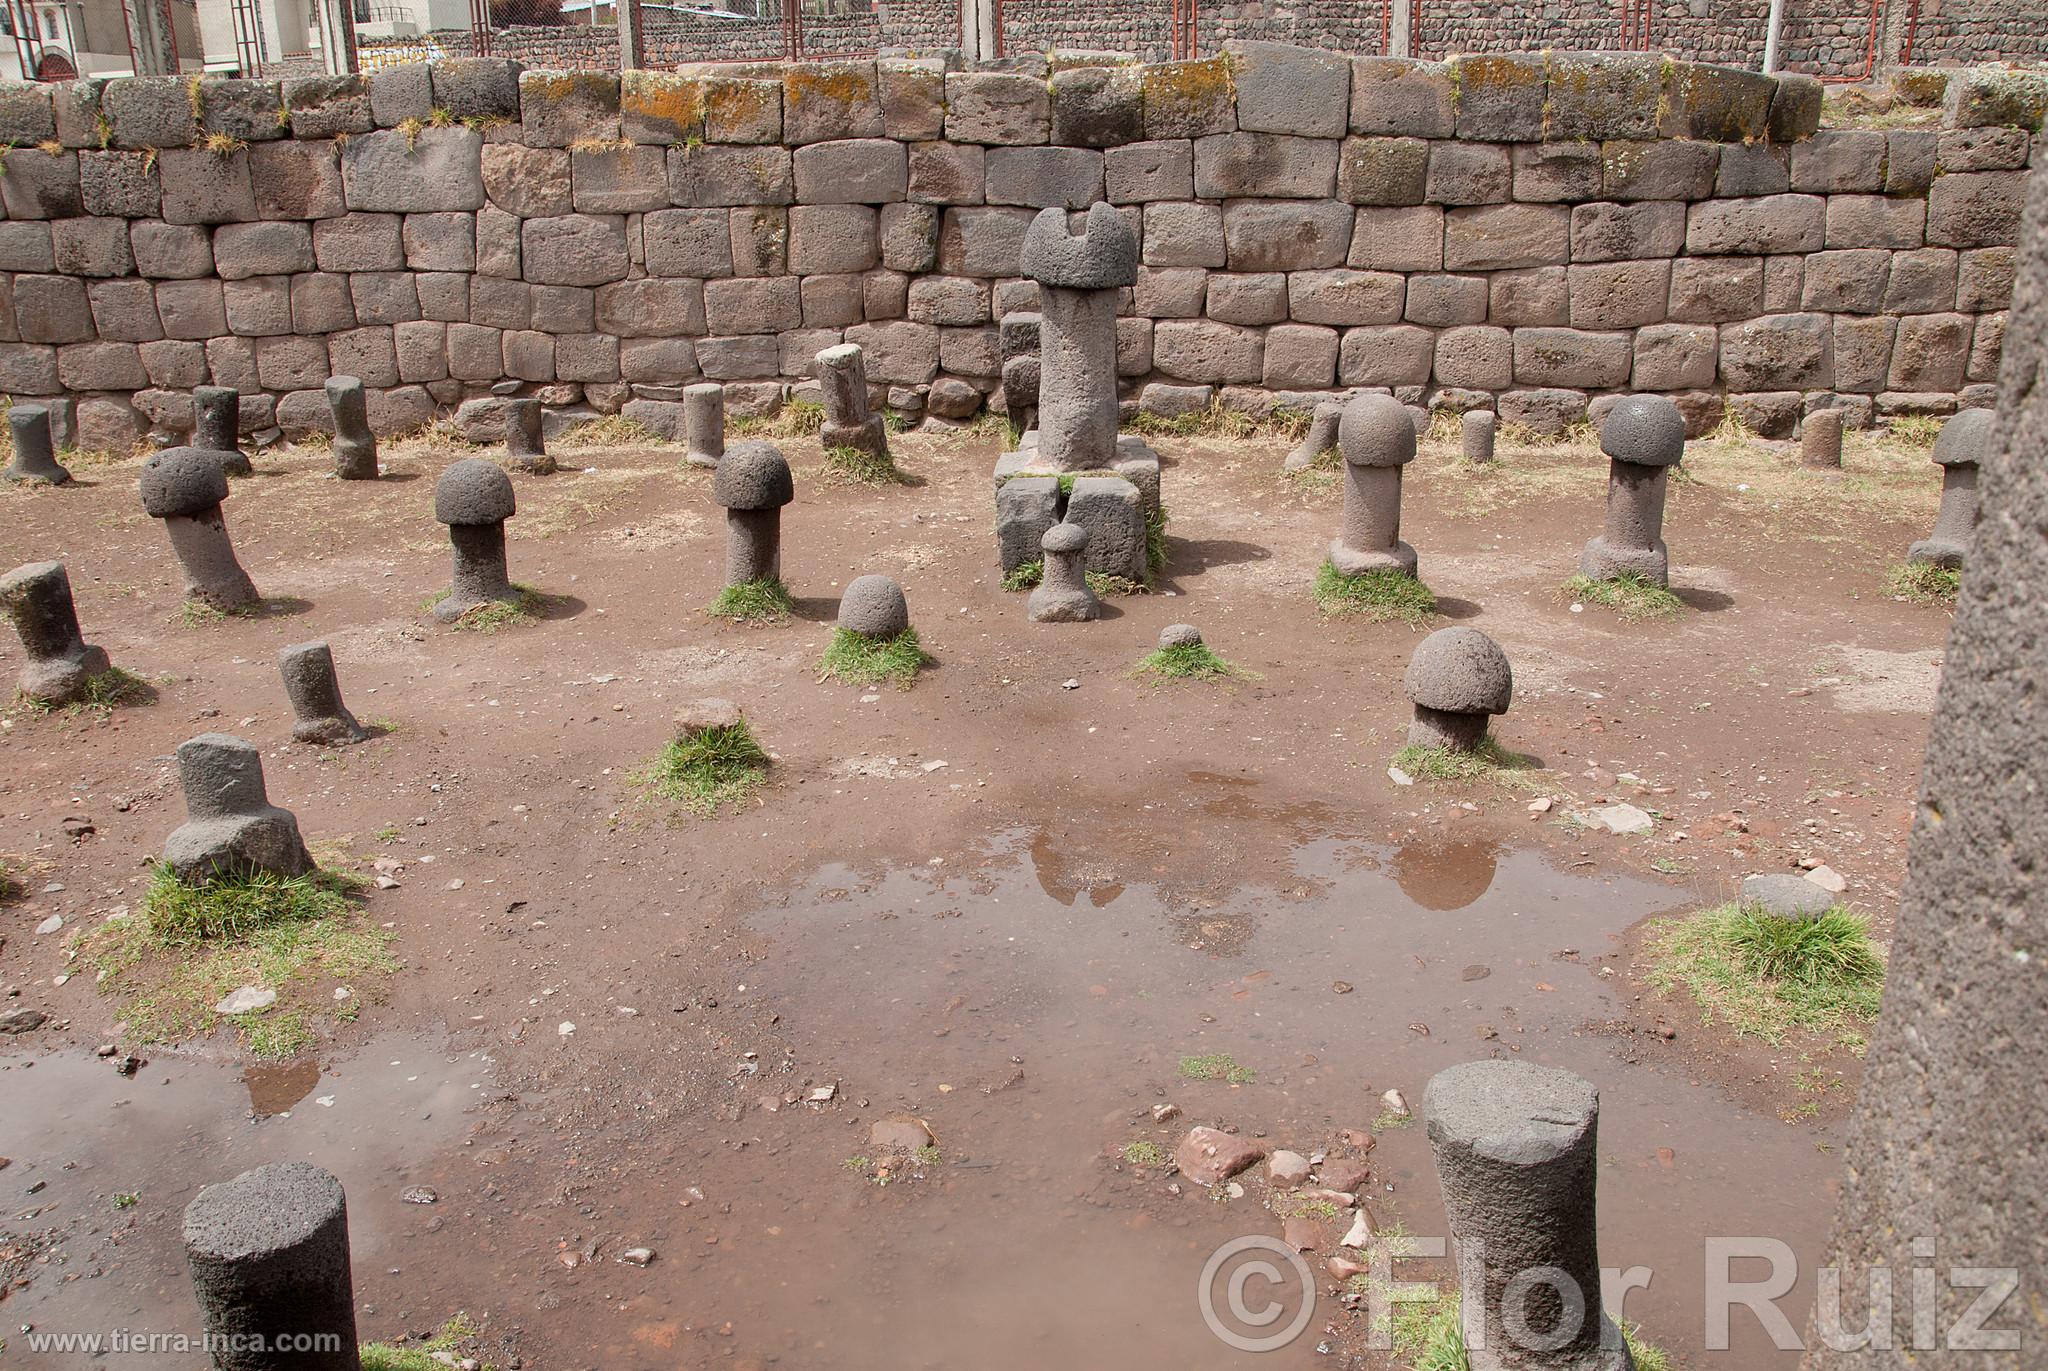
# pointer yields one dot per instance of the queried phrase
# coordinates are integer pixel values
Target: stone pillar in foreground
(843, 379)
(183, 486)
(1950, 1136)
(1644, 437)
(1517, 1151)
(474, 498)
(1964, 443)
(1820, 439)
(1377, 438)
(1078, 279)
(268, 1253)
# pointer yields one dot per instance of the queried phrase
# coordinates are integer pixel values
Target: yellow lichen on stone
(844, 84)
(659, 97)
(1172, 90)
(1485, 72)
(732, 105)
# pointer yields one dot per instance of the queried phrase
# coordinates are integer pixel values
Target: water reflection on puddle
(81, 1135)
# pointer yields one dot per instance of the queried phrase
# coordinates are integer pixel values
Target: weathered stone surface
(1674, 357)
(1490, 237)
(574, 249)
(1571, 358)
(827, 100)
(1475, 356)
(1765, 224)
(1190, 99)
(1658, 171)
(557, 108)
(714, 174)
(1286, 236)
(1500, 97)
(1384, 171)
(1396, 96)
(1602, 96)
(1097, 107)
(1290, 90)
(1608, 231)
(439, 169)
(997, 108)
(1200, 350)
(1070, 178)
(481, 88)
(1550, 172)
(1386, 355)
(618, 180)
(1975, 209)
(118, 183)
(1778, 352)
(851, 171)
(324, 106)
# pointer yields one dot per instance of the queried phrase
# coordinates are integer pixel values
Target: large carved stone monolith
(1964, 442)
(183, 486)
(35, 456)
(61, 664)
(268, 1253)
(843, 378)
(217, 427)
(231, 827)
(1078, 278)
(355, 446)
(1949, 1140)
(753, 483)
(1377, 438)
(704, 424)
(1644, 437)
(474, 498)
(1516, 1150)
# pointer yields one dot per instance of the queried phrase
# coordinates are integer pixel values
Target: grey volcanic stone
(217, 427)
(843, 380)
(1456, 680)
(1820, 439)
(1951, 1124)
(525, 447)
(183, 486)
(35, 458)
(61, 665)
(1965, 441)
(1062, 595)
(1476, 429)
(230, 827)
(1645, 429)
(704, 424)
(355, 446)
(753, 483)
(474, 498)
(874, 607)
(1377, 437)
(1516, 1151)
(1103, 257)
(1321, 437)
(1179, 635)
(753, 475)
(268, 1252)
(1787, 896)
(318, 715)
(1648, 438)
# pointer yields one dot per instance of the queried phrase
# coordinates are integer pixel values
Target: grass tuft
(860, 660)
(104, 693)
(796, 419)
(613, 430)
(1764, 975)
(225, 144)
(1187, 662)
(498, 614)
(1487, 761)
(709, 771)
(1145, 1152)
(1628, 595)
(1915, 430)
(854, 466)
(1025, 575)
(187, 946)
(1428, 1336)
(1216, 1066)
(753, 602)
(383, 1356)
(1379, 595)
(1218, 422)
(1155, 540)
(1924, 583)
(1107, 583)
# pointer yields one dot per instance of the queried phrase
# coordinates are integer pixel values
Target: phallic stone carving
(1320, 438)
(1457, 680)
(1377, 437)
(474, 498)
(1476, 429)
(703, 424)
(355, 447)
(843, 377)
(1063, 596)
(217, 427)
(231, 827)
(526, 449)
(1965, 441)
(268, 1254)
(1078, 278)
(61, 664)
(1644, 437)
(318, 715)
(753, 484)
(184, 486)
(35, 456)
(1820, 439)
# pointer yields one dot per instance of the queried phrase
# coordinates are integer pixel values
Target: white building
(57, 39)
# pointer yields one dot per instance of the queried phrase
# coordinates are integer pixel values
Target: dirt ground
(1008, 902)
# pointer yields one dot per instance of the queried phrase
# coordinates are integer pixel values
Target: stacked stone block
(1522, 233)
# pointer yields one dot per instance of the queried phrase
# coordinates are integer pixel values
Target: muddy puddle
(102, 1166)
(1034, 1010)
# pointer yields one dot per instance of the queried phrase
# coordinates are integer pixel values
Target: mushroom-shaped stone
(1965, 441)
(268, 1253)
(1063, 595)
(230, 827)
(1377, 437)
(1179, 635)
(35, 455)
(355, 446)
(753, 483)
(874, 607)
(1457, 680)
(61, 664)
(704, 424)
(526, 448)
(1644, 436)
(474, 498)
(183, 486)
(1078, 279)
(318, 714)
(217, 427)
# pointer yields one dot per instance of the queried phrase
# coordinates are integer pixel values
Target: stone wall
(1531, 233)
